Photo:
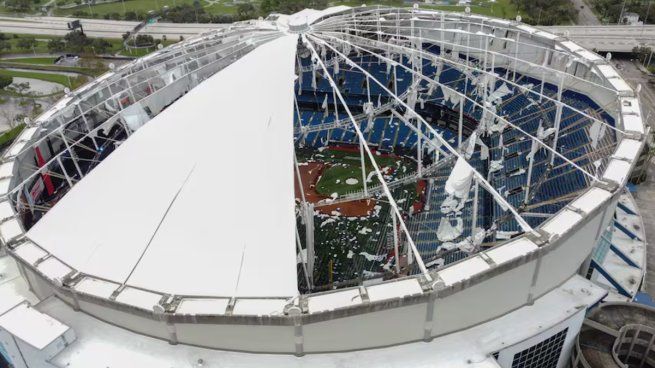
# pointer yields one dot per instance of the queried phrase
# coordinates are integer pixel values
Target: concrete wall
(370, 325)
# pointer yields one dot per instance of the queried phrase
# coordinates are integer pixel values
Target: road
(614, 38)
(599, 37)
(585, 15)
(99, 28)
(634, 76)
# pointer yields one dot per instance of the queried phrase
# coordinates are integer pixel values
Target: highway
(612, 38)
(99, 27)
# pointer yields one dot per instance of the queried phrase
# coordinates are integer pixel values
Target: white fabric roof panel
(184, 196)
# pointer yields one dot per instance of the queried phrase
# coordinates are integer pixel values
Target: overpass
(58, 26)
(613, 38)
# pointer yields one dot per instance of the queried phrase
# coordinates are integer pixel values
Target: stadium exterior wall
(479, 299)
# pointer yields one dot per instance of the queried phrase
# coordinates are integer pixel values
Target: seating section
(554, 179)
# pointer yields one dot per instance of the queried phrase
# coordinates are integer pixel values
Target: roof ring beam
(320, 28)
(480, 178)
(387, 191)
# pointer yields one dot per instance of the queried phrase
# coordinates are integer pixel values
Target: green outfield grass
(346, 165)
(54, 78)
(334, 180)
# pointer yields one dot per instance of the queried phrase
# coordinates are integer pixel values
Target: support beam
(464, 97)
(392, 201)
(500, 199)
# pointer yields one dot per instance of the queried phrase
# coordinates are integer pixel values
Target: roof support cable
(455, 64)
(463, 97)
(371, 157)
(479, 177)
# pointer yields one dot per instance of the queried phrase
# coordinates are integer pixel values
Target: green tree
(19, 5)
(130, 15)
(56, 45)
(546, 12)
(246, 11)
(5, 81)
(100, 45)
(26, 43)
(76, 41)
(144, 40)
(5, 46)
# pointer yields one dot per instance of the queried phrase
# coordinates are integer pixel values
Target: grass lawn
(7, 137)
(35, 60)
(143, 6)
(498, 9)
(55, 78)
(40, 48)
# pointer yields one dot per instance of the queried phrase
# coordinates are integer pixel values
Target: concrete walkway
(645, 198)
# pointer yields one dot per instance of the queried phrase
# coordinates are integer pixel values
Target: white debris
(521, 171)
(371, 257)
(505, 234)
(365, 230)
(459, 181)
(328, 221)
(499, 93)
(448, 232)
(302, 255)
(450, 204)
(495, 165)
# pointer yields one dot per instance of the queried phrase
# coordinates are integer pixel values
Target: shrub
(5, 81)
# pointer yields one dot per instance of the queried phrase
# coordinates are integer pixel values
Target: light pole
(88, 2)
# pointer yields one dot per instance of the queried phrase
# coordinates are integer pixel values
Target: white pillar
(533, 152)
(558, 118)
(309, 239)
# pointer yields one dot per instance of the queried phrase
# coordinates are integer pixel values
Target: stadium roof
(186, 206)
